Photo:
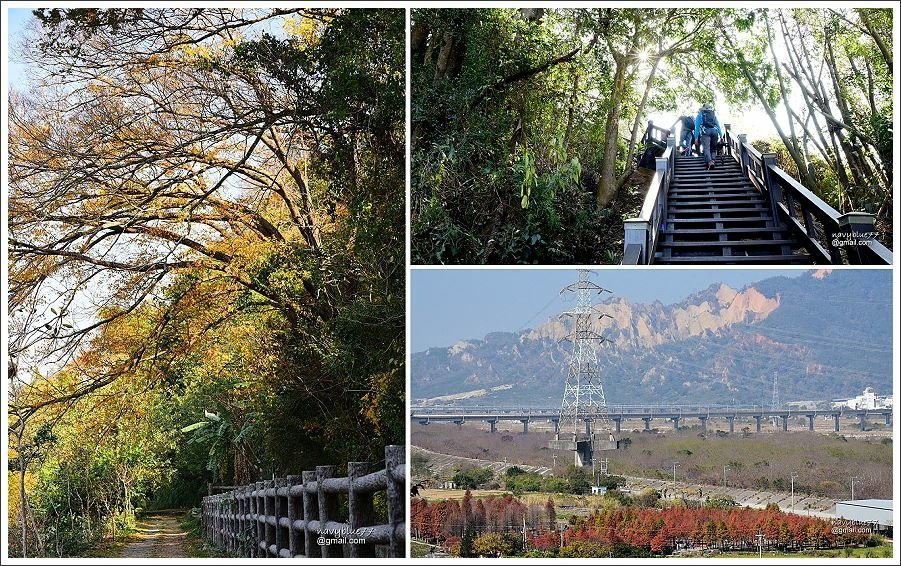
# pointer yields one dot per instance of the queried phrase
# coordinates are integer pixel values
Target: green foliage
(497, 545)
(472, 478)
(720, 501)
(496, 178)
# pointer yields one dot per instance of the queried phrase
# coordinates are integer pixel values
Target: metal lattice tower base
(584, 403)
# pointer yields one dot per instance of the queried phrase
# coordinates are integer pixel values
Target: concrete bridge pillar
(731, 424)
(704, 424)
(863, 421)
(525, 426)
(493, 424)
(757, 418)
(835, 419)
(785, 423)
(647, 422)
(618, 422)
(810, 422)
(675, 423)
(588, 427)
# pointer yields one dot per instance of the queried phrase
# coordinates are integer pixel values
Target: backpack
(688, 123)
(708, 118)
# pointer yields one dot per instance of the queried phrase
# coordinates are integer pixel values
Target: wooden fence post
(310, 513)
(856, 227)
(260, 499)
(395, 457)
(217, 520)
(768, 160)
(636, 237)
(328, 511)
(269, 507)
(281, 511)
(360, 509)
(292, 517)
(242, 521)
(743, 153)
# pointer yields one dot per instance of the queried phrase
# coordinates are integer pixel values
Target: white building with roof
(859, 513)
(868, 400)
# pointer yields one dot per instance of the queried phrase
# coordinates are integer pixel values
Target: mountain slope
(826, 334)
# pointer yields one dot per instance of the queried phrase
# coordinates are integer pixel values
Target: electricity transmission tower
(583, 394)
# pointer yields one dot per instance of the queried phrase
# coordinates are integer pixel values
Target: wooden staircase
(717, 216)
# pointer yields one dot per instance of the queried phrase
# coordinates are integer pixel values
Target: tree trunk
(636, 124)
(607, 182)
(880, 44)
(23, 499)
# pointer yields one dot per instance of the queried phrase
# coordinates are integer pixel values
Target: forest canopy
(526, 124)
(206, 251)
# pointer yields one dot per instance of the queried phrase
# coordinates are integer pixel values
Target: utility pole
(853, 478)
(760, 542)
(675, 465)
(794, 475)
(524, 532)
(724, 476)
(775, 404)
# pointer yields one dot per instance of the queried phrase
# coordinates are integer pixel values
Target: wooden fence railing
(641, 233)
(829, 236)
(315, 515)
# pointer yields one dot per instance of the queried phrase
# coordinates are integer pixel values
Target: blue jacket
(698, 122)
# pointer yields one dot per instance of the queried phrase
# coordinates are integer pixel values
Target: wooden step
(715, 190)
(720, 209)
(740, 199)
(708, 220)
(682, 195)
(768, 259)
(717, 231)
(727, 243)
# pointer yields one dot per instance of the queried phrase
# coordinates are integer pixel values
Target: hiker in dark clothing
(707, 132)
(688, 133)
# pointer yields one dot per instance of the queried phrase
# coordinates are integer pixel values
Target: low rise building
(868, 400)
(875, 514)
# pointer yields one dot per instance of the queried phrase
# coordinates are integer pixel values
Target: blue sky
(448, 305)
(18, 18)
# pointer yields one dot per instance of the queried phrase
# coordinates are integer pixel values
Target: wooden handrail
(642, 232)
(829, 236)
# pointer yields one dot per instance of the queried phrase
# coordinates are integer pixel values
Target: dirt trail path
(159, 535)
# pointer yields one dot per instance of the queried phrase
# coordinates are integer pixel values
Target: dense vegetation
(206, 257)
(526, 123)
(618, 527)
(574, 480)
